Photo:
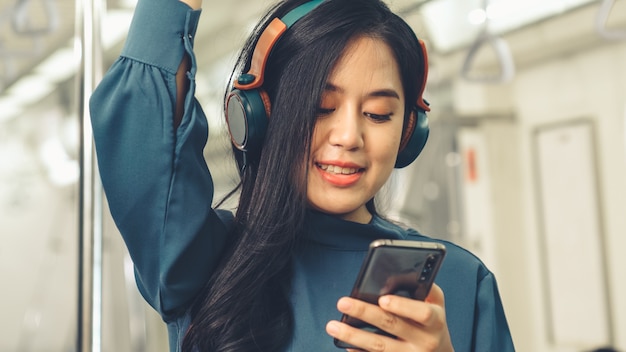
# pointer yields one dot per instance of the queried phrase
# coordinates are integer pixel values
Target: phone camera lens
(428, 268)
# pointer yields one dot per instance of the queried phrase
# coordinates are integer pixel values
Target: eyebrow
(386, 93)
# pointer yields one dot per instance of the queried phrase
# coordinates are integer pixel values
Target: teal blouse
(160, 191)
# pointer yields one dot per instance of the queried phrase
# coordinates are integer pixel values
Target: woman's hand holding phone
(394, 304)
(417, 325)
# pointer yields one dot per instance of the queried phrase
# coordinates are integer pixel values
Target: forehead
(367, 63)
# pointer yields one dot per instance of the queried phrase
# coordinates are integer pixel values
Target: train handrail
(503, 53)
(601, 22)
(22, 26)
(501, 49)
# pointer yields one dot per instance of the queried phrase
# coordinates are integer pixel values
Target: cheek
(315, 136)
(388, 144)
(318, 140)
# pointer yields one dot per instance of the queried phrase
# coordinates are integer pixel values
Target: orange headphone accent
(264, 46)
(421, 103)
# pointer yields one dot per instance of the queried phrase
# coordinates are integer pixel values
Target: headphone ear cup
(414, 138)
(247, 114)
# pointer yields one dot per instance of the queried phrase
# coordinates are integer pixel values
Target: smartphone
(398, 267)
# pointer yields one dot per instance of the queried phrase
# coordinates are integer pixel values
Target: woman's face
(358, 130)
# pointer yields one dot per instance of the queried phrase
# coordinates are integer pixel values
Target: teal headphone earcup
(416, 141)
(246, 118)
(248, 107)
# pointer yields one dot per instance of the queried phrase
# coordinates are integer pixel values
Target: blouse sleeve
(157, 184)
(491, 330)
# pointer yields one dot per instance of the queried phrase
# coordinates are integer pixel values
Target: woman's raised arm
(154, 174)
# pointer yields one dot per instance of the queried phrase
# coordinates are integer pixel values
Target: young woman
(344, 79)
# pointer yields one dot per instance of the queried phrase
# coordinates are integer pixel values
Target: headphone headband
(294, 15)
(255, 75)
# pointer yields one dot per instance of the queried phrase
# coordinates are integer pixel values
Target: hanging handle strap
(601, 22)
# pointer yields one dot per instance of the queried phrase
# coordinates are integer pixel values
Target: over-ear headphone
(248, 106)
(416, 130)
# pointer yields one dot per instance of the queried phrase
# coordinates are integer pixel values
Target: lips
(341, 175)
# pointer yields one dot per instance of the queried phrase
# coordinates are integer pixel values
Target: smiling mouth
(338, 170)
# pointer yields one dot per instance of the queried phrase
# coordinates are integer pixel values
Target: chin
(359, 214)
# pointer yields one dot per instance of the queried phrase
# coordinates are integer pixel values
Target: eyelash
(375, 117)
(324, 112)
(378, 118)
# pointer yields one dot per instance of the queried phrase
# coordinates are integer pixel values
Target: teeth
(334, 169)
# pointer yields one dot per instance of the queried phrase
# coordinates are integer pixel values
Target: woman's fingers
(418, 325)
(356, 337)
(429, 314)
(429, 319)
(374, 315)
(436, 296)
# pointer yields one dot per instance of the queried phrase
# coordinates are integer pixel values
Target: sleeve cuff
(157, 31)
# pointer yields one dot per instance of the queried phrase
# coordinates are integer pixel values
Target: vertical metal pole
(88, 47)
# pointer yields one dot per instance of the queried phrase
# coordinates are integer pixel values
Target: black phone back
(398, 267)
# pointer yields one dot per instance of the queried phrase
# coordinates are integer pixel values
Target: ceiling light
(29, 90)
(454, 24)
(59, 66)
(476, 17)
(9, 108)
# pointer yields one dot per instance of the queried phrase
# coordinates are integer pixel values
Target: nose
(346, 129)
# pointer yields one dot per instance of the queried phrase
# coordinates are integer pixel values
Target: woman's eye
(324, 111)
(377, 117)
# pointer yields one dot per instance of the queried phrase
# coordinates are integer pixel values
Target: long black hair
(245, 305)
